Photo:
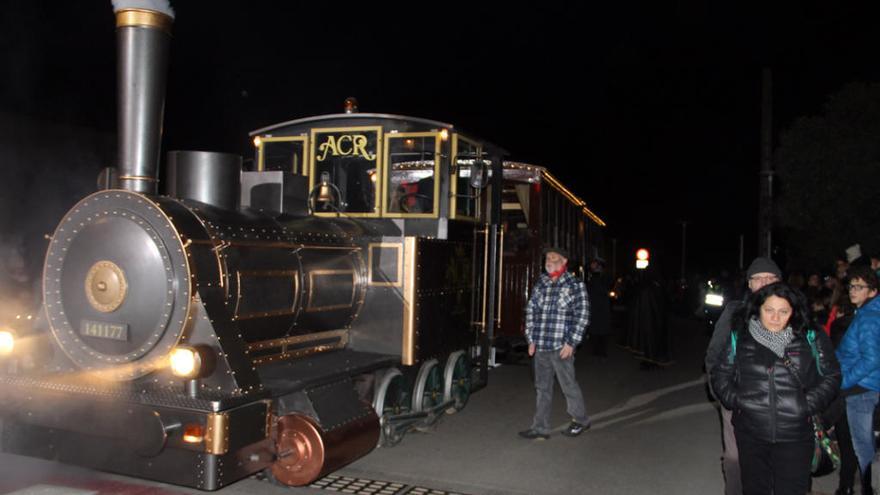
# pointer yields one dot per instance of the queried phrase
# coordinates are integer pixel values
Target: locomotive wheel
(457, 381)
(391, 398)
(429, 387)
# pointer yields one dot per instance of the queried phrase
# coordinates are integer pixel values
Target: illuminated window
(466, 158)
(349, 158)
(411, 186)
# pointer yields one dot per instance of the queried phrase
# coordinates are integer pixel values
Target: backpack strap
(732, 355)
(811, 339)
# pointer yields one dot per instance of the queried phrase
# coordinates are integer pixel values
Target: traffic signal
(642, 256)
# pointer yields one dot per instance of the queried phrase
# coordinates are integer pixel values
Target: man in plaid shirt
(556, 316)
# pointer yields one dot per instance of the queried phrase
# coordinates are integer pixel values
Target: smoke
(15, 282)
(163, 6)
(45, 168)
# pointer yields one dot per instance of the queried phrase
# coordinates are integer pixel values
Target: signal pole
(765, 207)
(683, 246)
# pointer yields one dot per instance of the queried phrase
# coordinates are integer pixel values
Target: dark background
(650, 113)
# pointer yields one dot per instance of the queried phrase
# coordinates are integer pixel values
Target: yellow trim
(410, 305)
(453, 178)
(382, 245)
(570, 196)
(380, 172)
(319, 273)
(486, 280)
(387, 166)
(500, 254)
(261, 164)
(273, 244)
(292, 274)
(138, 177)
(285, 353)
(144, 18)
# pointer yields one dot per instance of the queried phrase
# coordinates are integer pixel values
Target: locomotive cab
(412, 183)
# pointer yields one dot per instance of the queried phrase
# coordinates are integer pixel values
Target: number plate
(103, 330)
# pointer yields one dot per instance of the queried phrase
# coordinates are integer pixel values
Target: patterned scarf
(775, 341)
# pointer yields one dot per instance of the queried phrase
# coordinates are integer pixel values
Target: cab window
(347, 160)
(412, 185)
(468, 155)
(283, 154)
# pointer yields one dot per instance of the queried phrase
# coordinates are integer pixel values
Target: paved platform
(654, 432)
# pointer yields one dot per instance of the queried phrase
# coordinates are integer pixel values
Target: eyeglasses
(765, 278)
(859, 287)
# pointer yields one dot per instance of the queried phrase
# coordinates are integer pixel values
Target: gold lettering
(343, 139)
(360, 147)
(329, 145)
(345, 145)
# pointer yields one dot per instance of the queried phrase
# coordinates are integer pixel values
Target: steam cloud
(46, 169)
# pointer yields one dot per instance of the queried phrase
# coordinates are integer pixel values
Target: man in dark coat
(647, 333)
(600, 307)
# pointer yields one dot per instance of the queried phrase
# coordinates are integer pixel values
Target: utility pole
(765, 207)
(683, 246)
(614, 259)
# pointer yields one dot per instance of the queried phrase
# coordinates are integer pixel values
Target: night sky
(650, 113)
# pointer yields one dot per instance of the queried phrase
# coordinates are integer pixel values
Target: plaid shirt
(557, 313)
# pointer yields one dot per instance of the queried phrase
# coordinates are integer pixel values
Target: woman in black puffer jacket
(771, 407)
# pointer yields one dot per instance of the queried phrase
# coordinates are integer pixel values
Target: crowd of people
(790, 351)
(789, 355)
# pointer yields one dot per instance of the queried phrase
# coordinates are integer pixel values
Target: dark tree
(829, 173)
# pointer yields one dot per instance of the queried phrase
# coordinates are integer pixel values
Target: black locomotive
(288, 319)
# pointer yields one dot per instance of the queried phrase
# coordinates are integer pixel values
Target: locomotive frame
(287, 319)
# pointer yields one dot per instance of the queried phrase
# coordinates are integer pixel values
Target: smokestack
(143, 35)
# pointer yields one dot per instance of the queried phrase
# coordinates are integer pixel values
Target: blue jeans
(860, 415)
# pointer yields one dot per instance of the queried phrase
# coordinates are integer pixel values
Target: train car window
(286, 154)
(467, 154)
(515, 203)
(411, 188)
(349, 159)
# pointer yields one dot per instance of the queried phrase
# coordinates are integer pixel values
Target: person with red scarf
(556, 316)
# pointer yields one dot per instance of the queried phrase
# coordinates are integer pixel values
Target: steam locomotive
(285, 319)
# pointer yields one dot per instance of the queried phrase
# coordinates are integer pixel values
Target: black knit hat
(764, 265)
(560, 251)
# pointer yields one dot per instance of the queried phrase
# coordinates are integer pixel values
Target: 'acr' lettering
(345, 145)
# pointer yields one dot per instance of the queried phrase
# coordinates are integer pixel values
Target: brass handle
(500, 275)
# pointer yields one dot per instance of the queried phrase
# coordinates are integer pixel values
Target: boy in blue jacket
(859, 356)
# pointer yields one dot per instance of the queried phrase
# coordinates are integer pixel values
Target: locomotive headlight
(192, 361)
(7, 342)
(184, 362)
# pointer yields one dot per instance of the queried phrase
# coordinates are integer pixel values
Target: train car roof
(527, 172)
(530, 173)
(368, 116)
